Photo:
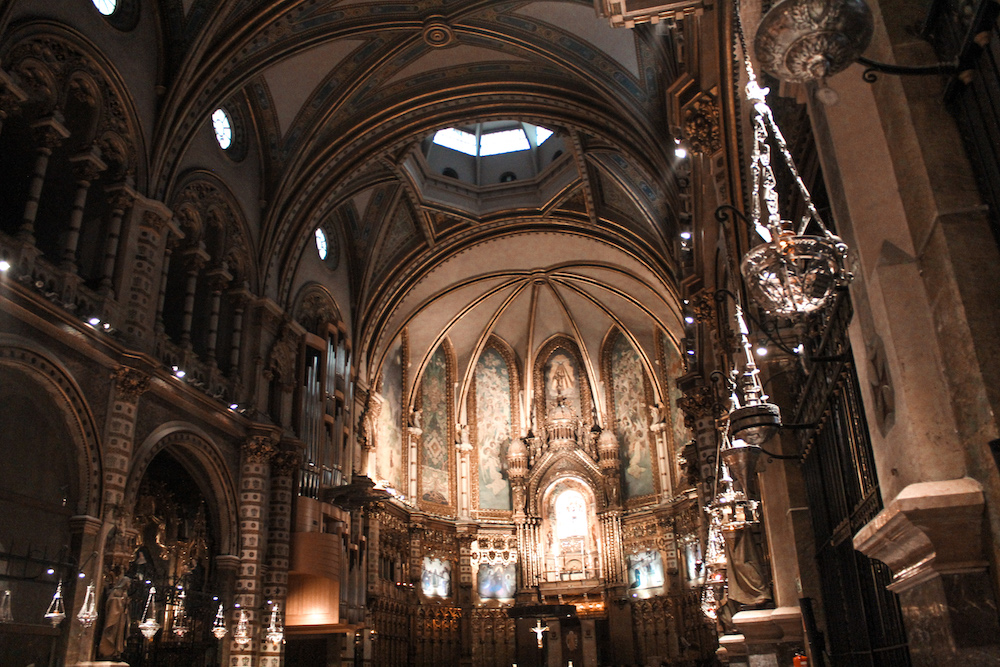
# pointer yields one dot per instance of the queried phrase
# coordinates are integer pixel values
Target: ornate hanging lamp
(242, 633)
(150, 626)
(807, 40)
(57, 610)
(88, 612)
(179, 625)
(6, 616)
(219, 624)
(792, 273)
(753, 420)
(275, 631)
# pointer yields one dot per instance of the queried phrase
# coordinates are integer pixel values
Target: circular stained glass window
(106, 7)
(223, 128)
(321, 245)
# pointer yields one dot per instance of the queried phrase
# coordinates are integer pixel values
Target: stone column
(85, 534)
(283, 467)
(241, 297)
(12, 97)
(120, 198)
(218, 279)
(196, 258)
(49, 133)
(139, 268)
(87, 166)
(129, 385)
(464, 449)
(257, 452)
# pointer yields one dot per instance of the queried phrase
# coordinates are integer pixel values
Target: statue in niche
(562, 376)
(116, 620)
(416, 418)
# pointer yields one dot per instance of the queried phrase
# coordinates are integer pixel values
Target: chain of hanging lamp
(791, 273)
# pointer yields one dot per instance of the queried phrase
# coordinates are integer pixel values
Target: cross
(538, 630)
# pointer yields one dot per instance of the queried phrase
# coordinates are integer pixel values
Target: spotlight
(680, 152)
(106, 326)
(686, 236)
(50, 571)
(799, 349)
(688, 319)
(82, 575)
(761, 349)
(691, 352)
(233, 406)
(178, 372)
(94, 321)
(4, 266)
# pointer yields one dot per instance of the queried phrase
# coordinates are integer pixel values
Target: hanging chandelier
(56, 611)
(180, 623)
(6, 616)
(275, 631)
(753, 419)
(88, 612)
(219, 624)
(242, 633)
(792, 273)
(149, 626)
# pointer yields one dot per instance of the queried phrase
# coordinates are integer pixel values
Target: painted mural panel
(562, 379)
(493, 416)
(497, 581)
(435, 487)
(435, 580)
(645, 570)
(389, 463)
(632, 424)
(674, 369)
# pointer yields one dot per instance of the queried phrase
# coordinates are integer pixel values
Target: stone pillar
(129, 385)
(227, 566)
(87, 166)
(257, 452)
(120, 198)
(283, 467)
(49, 133)
(85, 534)
(139, 268)
(196, 257)
(414, 432)
(12, 97)
(464, 449)
(218, 279)
(241, 297)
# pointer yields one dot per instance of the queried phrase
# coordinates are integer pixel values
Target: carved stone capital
(88, 165)
(49, 132)
(259, 449)
(929, 529)
(285, 462)
(120, 197)
(696, 404)
(130, 383)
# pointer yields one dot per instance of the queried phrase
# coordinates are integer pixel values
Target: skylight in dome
(457, 140)
(506, 141)
(541, 134)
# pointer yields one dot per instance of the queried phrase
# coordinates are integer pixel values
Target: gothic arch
(448, 436)
(556, 465)
(206, 464)
(584, 379)
(315, 307)
(55, 63)
(78, 418)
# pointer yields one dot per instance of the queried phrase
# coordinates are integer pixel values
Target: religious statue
(416, 418)
(116, 620)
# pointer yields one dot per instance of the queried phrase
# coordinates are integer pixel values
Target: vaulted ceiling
(343, 97)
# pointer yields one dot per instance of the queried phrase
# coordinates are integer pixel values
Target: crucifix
(538, 630)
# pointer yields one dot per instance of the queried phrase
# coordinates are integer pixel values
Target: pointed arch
(493, 417)
(436, 479)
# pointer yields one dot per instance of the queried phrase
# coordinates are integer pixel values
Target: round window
(223, 128)
(321, 246)
(106, 7)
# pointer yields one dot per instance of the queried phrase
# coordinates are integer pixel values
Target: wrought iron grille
(863, 622)
(967, 31)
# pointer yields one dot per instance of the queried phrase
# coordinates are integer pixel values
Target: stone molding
(929, 529)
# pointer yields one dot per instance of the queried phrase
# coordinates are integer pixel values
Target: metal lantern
(150, 626)
(805, 40)
(219, 624)
(795, 274)
(56, 611)
(275, 631)
(88, 612)
(242, 633)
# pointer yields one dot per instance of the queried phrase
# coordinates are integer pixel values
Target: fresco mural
(389, 462)
(497, 581)
(435, 580)
(632, 423)
(562, 378)
(493, 428)
(434, 476)
(645, 570)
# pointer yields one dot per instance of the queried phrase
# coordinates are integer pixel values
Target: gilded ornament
(701, 125)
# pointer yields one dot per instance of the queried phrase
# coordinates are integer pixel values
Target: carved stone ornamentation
(259, 449)
(130, 383)
(703, 308)
(804, 40)
(281, 358)
(696, 404)
(285, 462)
(701, 125)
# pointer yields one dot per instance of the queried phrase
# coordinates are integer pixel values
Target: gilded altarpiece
(630, 395)
(436, 486)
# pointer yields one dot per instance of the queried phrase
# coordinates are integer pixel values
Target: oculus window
(498, 142)
(223, 128)
(106, 7)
